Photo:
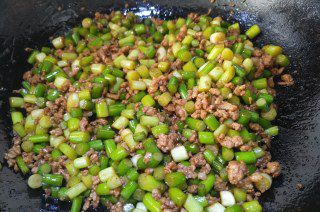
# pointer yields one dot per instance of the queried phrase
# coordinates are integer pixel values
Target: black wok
(294, 24)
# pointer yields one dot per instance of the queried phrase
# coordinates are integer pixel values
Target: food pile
(158, 115)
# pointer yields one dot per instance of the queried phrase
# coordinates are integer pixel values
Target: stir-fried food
(150, 115)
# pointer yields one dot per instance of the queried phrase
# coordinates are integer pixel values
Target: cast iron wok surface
(291, 24)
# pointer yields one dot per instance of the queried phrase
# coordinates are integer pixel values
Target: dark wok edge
(292, 24)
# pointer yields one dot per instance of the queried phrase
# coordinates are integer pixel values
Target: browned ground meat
(84, 125)
(176, 108)
(273, 169)
(267, 60)
(74, 71)
(189, 171)
(193, 189)
(93, 200)
(28, 158)
(30, 107)
(166, 142)
(171, 166)
(212, 199)
(214, 91)
(198, 160)
(118, 207)
(193, 137)
(300, 186)
(165, 43)
(229, 142)
(263, 161)
(229, 43)
(105, 53)
(226, 110)
(229, 85)
(257, 52)
(65, 86)
(113, 96)
(220, 185)
(287, 80)
(198, 36)
(227, 106)
(202, 101)
(56, 109)
(245, 148)
(202, 106)
(56, 132)
(277, 71)
(13, 152)
(166, 203)
(147, 157)
(156, 83)
(235, 126)
(236, 171)
(240, 90)
(148, 170)
(156, 194)
(181, 112)
(270, 82)
(202, 175)
(115, 192)
(258, 63)
(33, 79)
(94, 156)
(58, 166)
(47, 192)
(176, 65)
(255, 127)
(246, 183)
(150, 111)
(98, 122)
(182, 33)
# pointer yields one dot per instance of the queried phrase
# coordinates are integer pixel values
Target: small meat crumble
(158, 115)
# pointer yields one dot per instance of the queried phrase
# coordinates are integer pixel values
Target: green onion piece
(68, 151)
(175, 179)
(118, 154)
(192, 205)
(148, 182)
(252, 206)
(195, 124)
(44, 169)
(129, 189)
(79, 137)
(206, 137)
(177, 196)
(76, 190)
(160, 129)
(76, 204)
(253, 31)
(39, 138)
(151, 203)
(34, 181)
(247, 157)
(52, 179)
(272, 131)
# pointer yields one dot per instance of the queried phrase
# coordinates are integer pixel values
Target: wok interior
(293, 25)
